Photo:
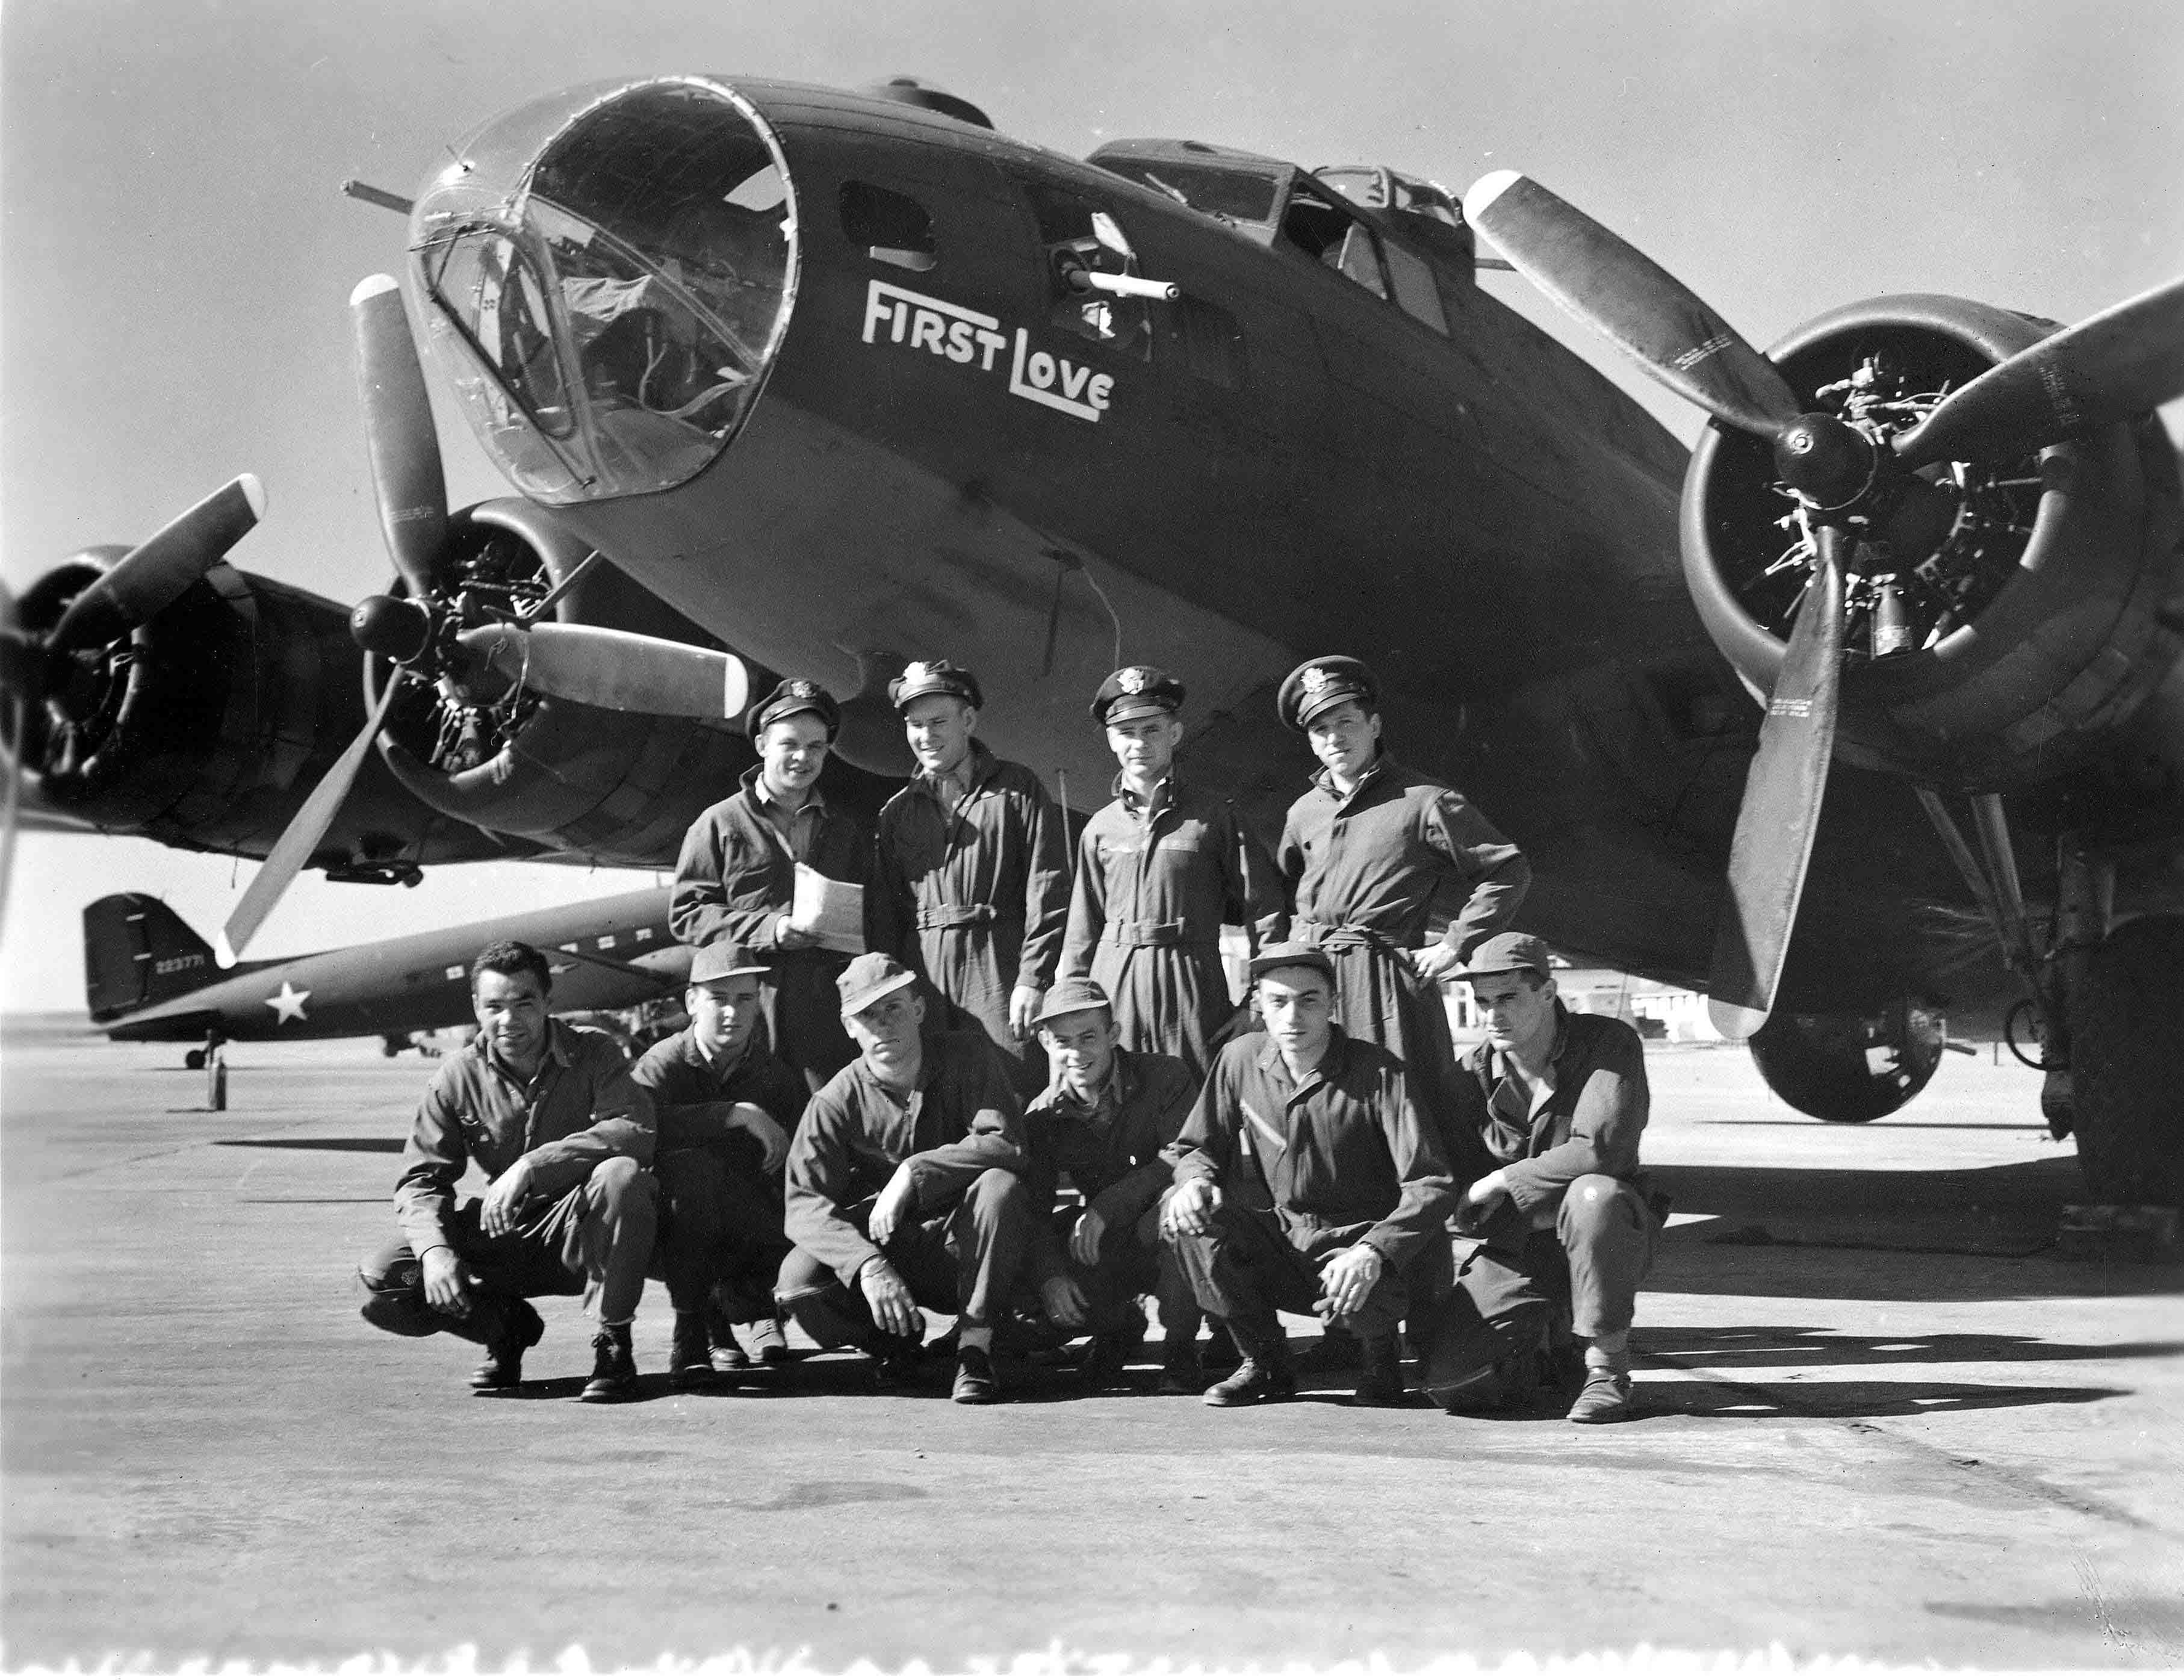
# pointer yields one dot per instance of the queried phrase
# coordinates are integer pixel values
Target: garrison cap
(1318, 684)
(922, 677)
(1069, 997)
(868, 979)
(1507, 953)
(1135, 692)
(790, 696)
(724, 958)
(1292, 955)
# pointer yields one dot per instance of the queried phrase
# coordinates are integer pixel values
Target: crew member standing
(1366, 851)
(736, 878)
(1159, 871)
(549, 1113)
(972, 854)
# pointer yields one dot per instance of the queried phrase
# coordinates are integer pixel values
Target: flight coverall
(985, 882)
(1155, 881)
(1365, 871)
(721, 1215)
(736, 878)
(964, 1243)
(587, 1129)
(1576, 1234)
(1308, 1166)
(1110, 1152)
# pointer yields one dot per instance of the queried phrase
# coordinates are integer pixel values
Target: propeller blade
(1619, 291)
(152, 575)
(397, 430)
(1781, 808)
(616, 669)
(2121, 362)
(13, 709)
(293, 849)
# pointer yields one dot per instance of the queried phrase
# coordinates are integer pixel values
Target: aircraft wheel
(2127, 1065)
(194, 1061)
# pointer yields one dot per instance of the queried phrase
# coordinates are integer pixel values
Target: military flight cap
(1318, 684)
(1507, 953)
(1136, 692)
(724, 958)
(922, 677)
(790, 696)
(1068, 997)
(1293, 956)
(868, 979)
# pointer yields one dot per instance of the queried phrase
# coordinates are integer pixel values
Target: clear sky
(176, 260)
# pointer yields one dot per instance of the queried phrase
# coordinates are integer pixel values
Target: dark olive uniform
(962, 1246)
(586, 1130)
(721, 1218)
(1571, 1160)
(985, 882)
(1155, 881)
(736, 878)
(1308, 1166)
(1110, 1151)
(1365, 870)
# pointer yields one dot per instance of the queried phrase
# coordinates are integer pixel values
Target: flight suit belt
(1341, 936)
(1137, 935)
(956, 915)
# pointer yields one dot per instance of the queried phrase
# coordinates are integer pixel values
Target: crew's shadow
(1771, 1401)
(363, 1145)
(1729, 1347)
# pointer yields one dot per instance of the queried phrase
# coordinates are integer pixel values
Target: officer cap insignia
(1314, 680)
(1132, 680)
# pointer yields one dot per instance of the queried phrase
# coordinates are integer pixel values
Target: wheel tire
(194, 1060)
(2127, 1065)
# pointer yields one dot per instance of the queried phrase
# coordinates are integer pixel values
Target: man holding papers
(774, 869)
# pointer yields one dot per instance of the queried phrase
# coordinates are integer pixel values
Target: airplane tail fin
(137, 953)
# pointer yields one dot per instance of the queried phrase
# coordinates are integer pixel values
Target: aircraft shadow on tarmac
(1771, 1402)
(362, 1146)
(1727, 1347)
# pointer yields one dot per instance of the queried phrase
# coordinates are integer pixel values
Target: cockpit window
(626, 298)
(1237, 194)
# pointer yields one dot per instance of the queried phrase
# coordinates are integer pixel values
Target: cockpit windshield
(609, 317)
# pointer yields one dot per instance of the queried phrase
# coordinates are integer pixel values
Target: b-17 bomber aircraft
(1866, 716)
(149, 975)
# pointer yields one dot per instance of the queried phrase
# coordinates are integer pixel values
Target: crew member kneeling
(1104, 1120)
(548, 1111)
(1320, 1133)
(1562, 1224)
(903, 1187)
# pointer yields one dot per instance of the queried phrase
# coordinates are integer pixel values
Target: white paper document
(834, 909)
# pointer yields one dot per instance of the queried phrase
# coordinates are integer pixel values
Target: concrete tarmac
(1880, 1420)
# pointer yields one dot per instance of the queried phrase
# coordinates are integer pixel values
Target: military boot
(513, 1327)
(1264, 1373)
(1380, 1380)
(613, 1366)
(690, 1357)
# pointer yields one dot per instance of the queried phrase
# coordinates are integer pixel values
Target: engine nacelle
(208, 725)
(2017, 633)
(1848, 1067)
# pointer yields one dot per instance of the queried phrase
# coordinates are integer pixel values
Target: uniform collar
(1164, 795)
(977, 767)
(1497, 1065)
(1330, 1059)
(754, 781)
(557, 1054)
(1379, 766)
(1122, 1084)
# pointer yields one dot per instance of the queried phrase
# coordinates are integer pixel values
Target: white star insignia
(288, 1005)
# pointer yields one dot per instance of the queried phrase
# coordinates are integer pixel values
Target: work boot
(728, 1356)
(520, 1328)
(1180, 1372)
(1381, 1383)
(1265, 1376)
(613, 1366)
(898, 1362)
(975, 1383)
(1108, 1361)
(690, 1358)
(1605, 1396)
(762, 1338)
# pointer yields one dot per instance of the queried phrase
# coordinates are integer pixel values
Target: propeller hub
(392, 628)
(1830, 463)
